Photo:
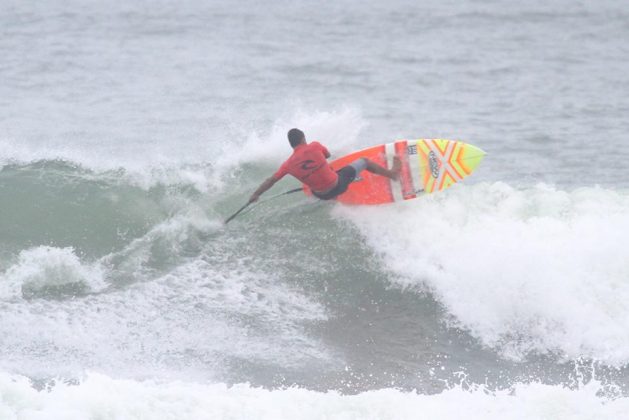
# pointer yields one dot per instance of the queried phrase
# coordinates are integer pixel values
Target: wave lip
(208, 165)
(50, 271)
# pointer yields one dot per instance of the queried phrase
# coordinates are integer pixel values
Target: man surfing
(309, 165)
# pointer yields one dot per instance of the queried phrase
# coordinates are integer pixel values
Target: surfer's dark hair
(295, 137)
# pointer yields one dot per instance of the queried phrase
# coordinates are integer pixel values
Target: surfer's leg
(346, 175)
(392, 173)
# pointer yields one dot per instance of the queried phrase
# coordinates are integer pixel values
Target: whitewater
(129, 131)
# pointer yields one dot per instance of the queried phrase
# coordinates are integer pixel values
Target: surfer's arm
(268, 183)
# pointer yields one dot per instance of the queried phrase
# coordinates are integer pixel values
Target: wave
(102, 274)
(100, 396)
(525, 271)
(135, 251)
(207, 166)
(534, 270)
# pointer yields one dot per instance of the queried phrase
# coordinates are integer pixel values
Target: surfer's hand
(254, 197)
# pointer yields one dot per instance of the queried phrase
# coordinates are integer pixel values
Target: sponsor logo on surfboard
(434, 164)
(412, 149)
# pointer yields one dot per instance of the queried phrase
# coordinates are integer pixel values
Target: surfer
(309, 165)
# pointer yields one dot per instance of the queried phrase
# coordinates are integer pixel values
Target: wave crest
(49, 271)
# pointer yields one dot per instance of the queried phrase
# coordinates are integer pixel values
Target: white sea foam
(537, 269)
(49, 267)
(101, 397)
(337, 130)
(186, 323)
(204, 166)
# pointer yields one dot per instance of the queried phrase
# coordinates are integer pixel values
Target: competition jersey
(309, 165)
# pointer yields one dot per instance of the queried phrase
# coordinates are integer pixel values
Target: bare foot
(397, 167)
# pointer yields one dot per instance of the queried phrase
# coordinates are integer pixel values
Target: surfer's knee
(370, 165)
(360, 164)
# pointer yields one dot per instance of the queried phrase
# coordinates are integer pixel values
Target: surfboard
(428, 166)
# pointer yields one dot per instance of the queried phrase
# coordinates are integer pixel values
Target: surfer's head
(296, 137)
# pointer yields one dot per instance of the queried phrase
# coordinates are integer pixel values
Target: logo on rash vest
(434, 164)
(308, 165)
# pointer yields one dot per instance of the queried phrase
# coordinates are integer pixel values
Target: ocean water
(130, 130)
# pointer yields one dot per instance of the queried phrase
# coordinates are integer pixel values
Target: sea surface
(129, 130)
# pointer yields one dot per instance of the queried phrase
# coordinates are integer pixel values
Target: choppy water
(129, 131)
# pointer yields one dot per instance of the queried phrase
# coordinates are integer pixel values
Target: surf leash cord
(233, 216)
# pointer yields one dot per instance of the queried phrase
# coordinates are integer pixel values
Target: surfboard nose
(472, 156)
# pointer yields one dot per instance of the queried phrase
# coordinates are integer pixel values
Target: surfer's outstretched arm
(268, 183)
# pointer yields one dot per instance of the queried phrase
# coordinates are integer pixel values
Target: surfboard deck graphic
(428, 165)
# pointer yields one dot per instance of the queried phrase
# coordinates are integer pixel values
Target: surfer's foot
(396, 168)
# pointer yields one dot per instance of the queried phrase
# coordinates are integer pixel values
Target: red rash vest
(309, 165)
